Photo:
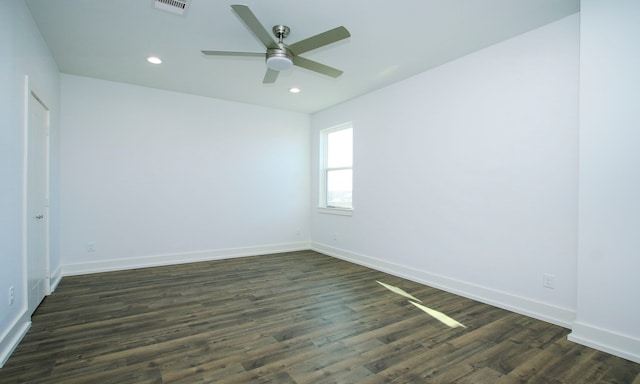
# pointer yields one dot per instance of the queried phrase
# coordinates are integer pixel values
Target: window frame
(323, 206)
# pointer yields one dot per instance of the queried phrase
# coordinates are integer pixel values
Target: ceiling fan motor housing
(279, 59)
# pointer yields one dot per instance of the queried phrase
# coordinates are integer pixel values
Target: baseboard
(56, 276)
(180, 258)
(13, 335)
(604, 340)
(541, 311)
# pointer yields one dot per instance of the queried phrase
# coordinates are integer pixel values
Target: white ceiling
(390, 41)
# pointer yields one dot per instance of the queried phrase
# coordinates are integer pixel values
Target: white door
(37, 195)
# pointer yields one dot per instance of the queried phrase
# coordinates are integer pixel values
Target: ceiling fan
(280, 56)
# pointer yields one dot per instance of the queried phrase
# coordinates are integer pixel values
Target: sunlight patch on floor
(399, 291)
(439, 316)
(431, 312)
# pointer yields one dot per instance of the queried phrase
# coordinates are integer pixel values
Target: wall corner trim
(605, 340)
(56, 276)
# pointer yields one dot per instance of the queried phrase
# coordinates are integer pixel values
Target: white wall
(465, 176)
(609, 238)
(154, 177)
(22, 53)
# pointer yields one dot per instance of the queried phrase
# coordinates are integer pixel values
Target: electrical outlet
(91, 246)
(11, 296)
(548, 281)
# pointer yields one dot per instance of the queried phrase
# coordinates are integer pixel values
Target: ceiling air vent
(174, 6)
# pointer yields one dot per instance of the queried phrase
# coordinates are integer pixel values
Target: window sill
(336, 211)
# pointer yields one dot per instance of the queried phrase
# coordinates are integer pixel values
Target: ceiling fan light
(279, 63)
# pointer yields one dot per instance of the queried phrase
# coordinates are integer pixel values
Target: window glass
(339, 187)
(340, 148)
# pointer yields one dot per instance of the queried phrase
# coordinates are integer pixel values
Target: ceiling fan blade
(233, 53)
(270, 76)
(319, 40)
(251, 21)
(316, 67)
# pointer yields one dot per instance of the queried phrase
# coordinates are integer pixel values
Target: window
(336, 176)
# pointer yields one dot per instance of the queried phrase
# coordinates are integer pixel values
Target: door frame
(31, 91)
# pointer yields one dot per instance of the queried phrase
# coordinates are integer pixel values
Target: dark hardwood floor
(298, 317)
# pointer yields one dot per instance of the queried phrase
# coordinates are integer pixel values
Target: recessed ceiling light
(294, 90)
(154, 60)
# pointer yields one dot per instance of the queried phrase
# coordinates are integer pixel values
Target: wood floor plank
(295, 317)
(481, 375)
